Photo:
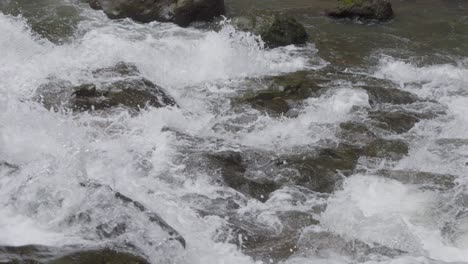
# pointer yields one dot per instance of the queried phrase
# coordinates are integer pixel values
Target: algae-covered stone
(275, 29)
(380, 10)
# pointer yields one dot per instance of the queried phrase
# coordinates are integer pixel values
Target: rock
(275, 29)
(380, 10)
(263, 243)
(120, 228)
(281, 92)
(427, 180)
(118, 86)
(40, 254)
(322, 170)
(324, 243)
(395, 121)
(270, 102)
(52, 19)
(356, 133)
(181, 12)
(233, 171)
(379, 95)
(94, 4)
(101, 256)
(393, 149)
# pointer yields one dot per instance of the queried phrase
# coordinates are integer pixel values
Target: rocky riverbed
(242, 131)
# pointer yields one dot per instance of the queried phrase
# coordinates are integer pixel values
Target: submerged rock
(264, 243)
(275, 29)
(427, 180)
(118, 86)
(321, 171)
(282, 92)
(379, 95)
(41, 254)
(233, 169)
(181, 12)
(395, 121)
(52, 19)
(324, 243)
(380, 10)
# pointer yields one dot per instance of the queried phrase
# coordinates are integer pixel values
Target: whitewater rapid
(142, 157)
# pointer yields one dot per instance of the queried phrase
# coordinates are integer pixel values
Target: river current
(415, 212)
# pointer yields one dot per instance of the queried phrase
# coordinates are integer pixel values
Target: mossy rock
(379, 10)
(275, 29)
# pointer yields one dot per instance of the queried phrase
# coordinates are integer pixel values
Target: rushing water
(155, 157)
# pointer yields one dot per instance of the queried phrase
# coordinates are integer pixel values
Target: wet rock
(427, 180)
(282, 92)
(356, 133)
(387, 148)
(269, 102)
(373, 146)
(264, 244)
(41, 254)
(380, 10)
(234, 175)
(379, 95)
(118, 86)
(323, 243)
(395, 121)
(153, 217)
(7, 168)
(275, 29)
(94, 4)
(100, 256)
(181, 12)
(321, 171)
(52, 19)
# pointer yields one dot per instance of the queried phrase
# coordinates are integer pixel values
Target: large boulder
(181, 12)
(380, 10)
(275, 29)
